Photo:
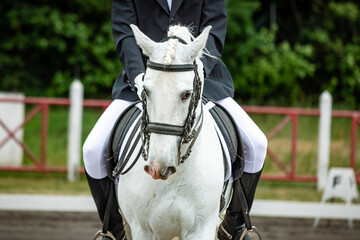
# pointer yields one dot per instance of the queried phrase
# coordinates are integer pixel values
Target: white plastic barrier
(340, 184)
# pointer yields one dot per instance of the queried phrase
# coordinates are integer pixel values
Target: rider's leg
(94, 152)
(100, 191)
(255, 145)
(233, 223)
(95, 144)
(254, 140)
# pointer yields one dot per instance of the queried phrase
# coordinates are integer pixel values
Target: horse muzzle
(159, 171)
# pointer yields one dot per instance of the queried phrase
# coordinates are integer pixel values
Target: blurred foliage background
(279, 52)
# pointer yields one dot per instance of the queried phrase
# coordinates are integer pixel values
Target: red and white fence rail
(41, 106)
(291, 116)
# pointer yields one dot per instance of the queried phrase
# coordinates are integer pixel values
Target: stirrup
(253, 229)
(101, 234)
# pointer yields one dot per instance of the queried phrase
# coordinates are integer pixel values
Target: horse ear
(195, 47)
(145, 43)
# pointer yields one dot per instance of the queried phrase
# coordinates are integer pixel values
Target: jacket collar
(164, 5)
(175, 6)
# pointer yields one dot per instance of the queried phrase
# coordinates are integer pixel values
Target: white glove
(139, 83)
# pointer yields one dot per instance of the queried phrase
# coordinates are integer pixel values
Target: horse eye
(186, 95)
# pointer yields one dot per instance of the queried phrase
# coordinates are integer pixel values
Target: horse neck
(207, 151)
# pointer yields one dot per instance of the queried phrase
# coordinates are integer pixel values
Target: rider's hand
(139, 83)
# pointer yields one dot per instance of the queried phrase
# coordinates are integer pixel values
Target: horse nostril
(147, 169)
(158, 173)
(170, 170)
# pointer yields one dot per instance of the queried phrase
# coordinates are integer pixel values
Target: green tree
(335, 35)
(264, 70)
(332, 30)
(45, 44)
(278, 52)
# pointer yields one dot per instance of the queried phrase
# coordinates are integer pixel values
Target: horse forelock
(170, 51)
(180, 31)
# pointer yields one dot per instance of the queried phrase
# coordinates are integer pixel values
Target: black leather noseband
(166, 129)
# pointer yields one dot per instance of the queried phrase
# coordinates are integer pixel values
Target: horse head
(168, 90)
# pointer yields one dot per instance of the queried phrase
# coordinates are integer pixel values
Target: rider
(154, 18)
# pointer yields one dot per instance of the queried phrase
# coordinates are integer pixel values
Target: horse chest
(160, 204)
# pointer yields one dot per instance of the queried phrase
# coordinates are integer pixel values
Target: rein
(190, 130)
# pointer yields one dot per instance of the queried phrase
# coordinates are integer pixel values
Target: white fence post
(75, 128)
(12, 114)
(324, 139)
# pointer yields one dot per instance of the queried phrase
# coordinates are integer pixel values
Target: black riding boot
(233, 224)
(100, 191)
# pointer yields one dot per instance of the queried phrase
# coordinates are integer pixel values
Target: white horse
(170, 198)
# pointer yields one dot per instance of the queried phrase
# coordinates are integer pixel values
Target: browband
(172, 67)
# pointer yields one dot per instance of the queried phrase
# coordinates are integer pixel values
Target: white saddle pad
(227, 159)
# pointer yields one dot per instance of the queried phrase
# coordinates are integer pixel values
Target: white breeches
(254, 140)
(95, 144)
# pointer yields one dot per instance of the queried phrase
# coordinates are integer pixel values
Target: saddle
(121, 128)
(126, 131)
(230, 133)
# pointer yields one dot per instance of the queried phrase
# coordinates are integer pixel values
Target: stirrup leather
(229, 236)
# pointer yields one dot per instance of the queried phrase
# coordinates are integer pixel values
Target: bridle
(190, 130)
